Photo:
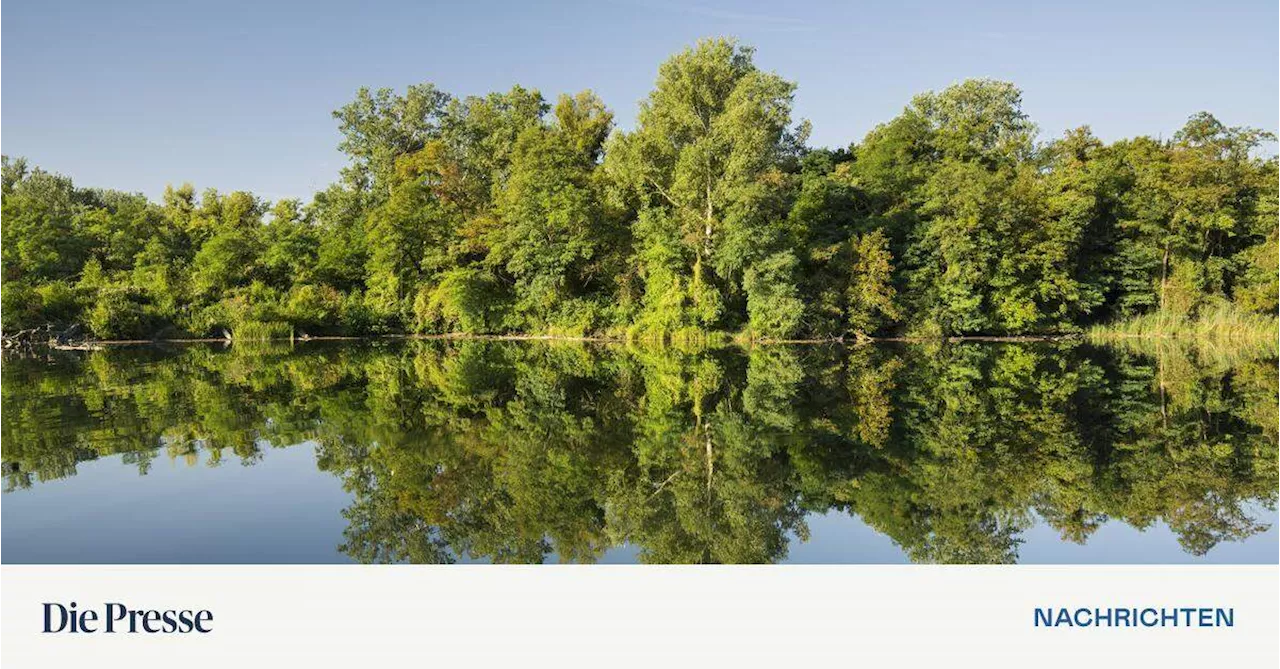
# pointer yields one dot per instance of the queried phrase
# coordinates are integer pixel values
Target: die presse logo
(116, 618)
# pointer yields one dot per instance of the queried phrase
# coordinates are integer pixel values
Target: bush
(262, 331)
(59, 303)
(118, 313)
(318, 307)
(21, 306)
(354, 315)
(467, 300)
(773, 307)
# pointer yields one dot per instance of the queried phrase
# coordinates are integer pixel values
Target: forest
(511, 213)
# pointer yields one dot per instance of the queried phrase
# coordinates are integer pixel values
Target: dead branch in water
(71, 338)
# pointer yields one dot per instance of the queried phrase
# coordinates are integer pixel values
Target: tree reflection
(524, 452)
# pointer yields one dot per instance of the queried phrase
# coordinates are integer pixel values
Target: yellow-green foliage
(1220, 330)
(262, 331)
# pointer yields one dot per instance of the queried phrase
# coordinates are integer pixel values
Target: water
(466, 451)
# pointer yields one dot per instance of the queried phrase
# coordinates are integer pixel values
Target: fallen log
(74, 337)
(28, 336)
(80, 346)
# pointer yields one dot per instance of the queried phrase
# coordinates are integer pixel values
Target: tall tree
(554, 232)
(703, 167)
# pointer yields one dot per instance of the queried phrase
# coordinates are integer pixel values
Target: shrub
(773, 307)
(118, 313)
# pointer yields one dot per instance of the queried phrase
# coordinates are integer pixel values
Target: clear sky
(238, 95)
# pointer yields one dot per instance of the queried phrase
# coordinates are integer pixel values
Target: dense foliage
(506, 213)
(515, 451)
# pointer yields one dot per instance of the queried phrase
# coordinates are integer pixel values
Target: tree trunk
(1164, 278)
(711, 466)
(708, 210)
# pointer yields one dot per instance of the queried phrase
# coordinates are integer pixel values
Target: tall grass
(262, 331)
(1221, 330)
(683, 338)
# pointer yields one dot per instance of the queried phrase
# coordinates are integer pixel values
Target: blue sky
(238, 95)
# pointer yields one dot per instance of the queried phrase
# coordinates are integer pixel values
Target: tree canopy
(508, 213)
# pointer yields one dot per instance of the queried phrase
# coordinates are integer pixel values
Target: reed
(262, 331)
(1222, 330)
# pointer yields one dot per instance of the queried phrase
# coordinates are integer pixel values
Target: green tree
(704, 163)
(872, 298)
(554, 232)
(1193, 206)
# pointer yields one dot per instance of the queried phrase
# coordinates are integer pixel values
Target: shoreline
(712, 339)
(97, 344)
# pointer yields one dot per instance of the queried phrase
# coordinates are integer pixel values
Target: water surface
(464, 451)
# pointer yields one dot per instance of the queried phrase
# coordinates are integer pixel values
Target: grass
(679, 338)
(1217, 331)
(262, 331)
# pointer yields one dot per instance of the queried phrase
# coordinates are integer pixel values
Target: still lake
(503, 451)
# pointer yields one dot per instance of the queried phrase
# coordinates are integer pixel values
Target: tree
(704, 162)
(872, 298)
(502, 213)
(380, 126)
(1191, 209)
(554, 232)
(955, 177)
(1257, 285)
(826, 214)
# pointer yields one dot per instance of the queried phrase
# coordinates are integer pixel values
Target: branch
(663, 192)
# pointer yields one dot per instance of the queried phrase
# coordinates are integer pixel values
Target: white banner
(566, 616)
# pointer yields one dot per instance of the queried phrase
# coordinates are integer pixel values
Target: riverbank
(712, 339)
(1223, 324)
(1224, 334)
(1222, 327)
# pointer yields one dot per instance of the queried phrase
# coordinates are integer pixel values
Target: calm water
(542, 452)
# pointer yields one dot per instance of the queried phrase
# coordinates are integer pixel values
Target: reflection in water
(514, 451)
